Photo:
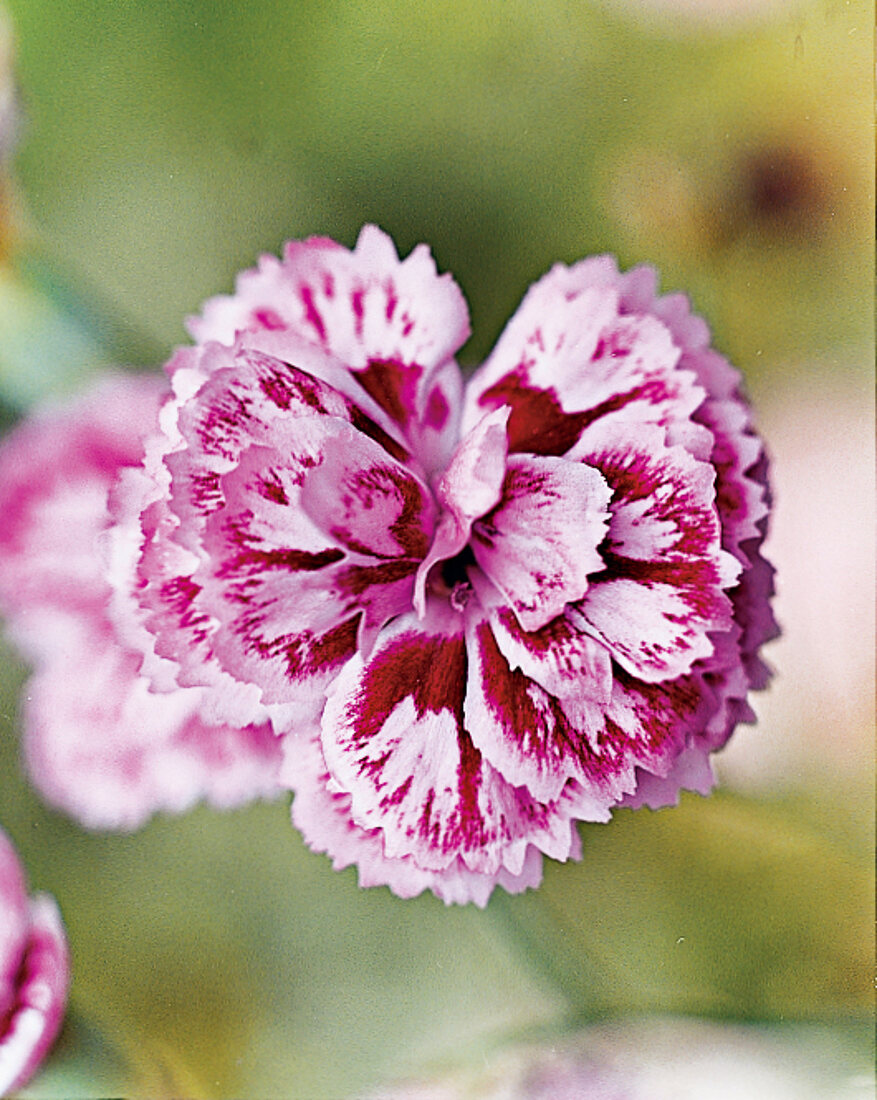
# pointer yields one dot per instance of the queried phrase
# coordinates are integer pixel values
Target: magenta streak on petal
(389, 485)
(312, 314)
(250, 562)
(550, 748)
(367, 426)
(640, 476)
(358, 310)
(538, 423)
(399, 743)
(698, 582)
(178, 594)
(539, 544)
(230, 417)
(283, 385)
(432, 672)
(358, 579)
(560, 658)
(303, 655)
(267, 318)
(271, 488)
(437, 410)
(393, 386)
(392, 301)
(205, 493)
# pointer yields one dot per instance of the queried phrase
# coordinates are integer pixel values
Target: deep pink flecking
(453, 617)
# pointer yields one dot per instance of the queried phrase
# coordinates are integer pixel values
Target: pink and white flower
(34, 973)
(99, 743)
(482, 611)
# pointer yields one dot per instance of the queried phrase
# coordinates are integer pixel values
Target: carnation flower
(34, 973)
(99, 743)
(478, 613)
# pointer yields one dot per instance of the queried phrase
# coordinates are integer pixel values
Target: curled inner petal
(539, 544)
(469, 487)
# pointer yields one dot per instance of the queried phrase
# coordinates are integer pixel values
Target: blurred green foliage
(165, 143)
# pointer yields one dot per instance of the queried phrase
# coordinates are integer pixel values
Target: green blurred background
(165, 143)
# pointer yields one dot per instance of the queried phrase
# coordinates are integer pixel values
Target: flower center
(455, 571)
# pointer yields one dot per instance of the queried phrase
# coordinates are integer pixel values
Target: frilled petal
(690, 771)
(570, 357)
(101, 746)
(395, 739)
(244, 400)
(539, 544)
(247, 400)
(541, 742)
(560, 658)
(368, 502)
(29, 1030)
(138, 542)
(322, 814)
(661, 594)
(394, 323)
(290, 597)
(742, 493)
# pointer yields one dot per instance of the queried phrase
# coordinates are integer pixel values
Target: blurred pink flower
(99, 743)
(488, 611)
(34, 973)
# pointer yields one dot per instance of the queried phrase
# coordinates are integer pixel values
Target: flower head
(34, 973)
(479, 612)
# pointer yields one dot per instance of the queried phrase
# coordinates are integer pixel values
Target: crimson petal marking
(436, 432)
(395, 324)
(539, 544)
(322, 814)
(561, 659)
(181, 614)
(649, 726)
(528, 737)
(360, 305)
(558, 380)
(663, 499)
(660, 596)
(395, 739)
(287, 599)
(657, 630)
(592, 752)
(550, 333)
(469, 487)
(367, 502)
(248, 402)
